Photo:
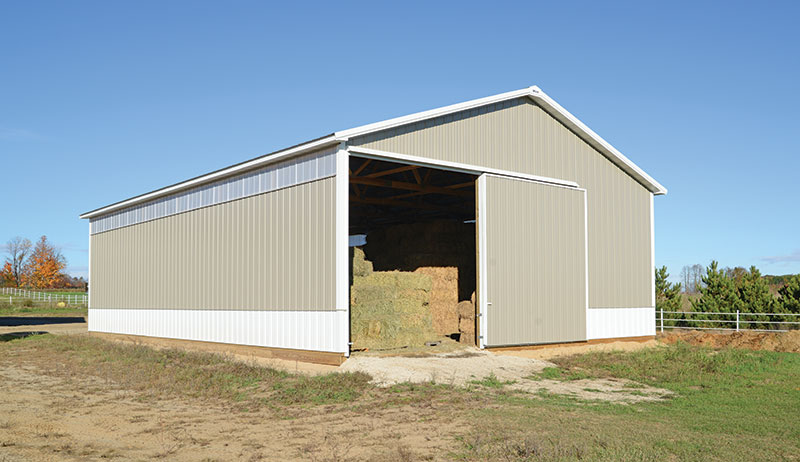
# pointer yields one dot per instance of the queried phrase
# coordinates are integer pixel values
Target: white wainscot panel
(620, 322)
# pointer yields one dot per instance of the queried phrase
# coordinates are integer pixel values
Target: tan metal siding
(536, 266)
(274, 251)
(519, 136)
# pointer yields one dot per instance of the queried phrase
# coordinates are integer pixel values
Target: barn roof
(534, 93)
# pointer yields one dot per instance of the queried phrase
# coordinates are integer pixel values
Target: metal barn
(258, 253)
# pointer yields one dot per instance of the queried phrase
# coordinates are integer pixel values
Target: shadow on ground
(15, 335)
(12, 321)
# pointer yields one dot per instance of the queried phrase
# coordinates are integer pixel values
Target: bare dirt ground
(788, 342)
(579, 349)
(471, 366)
(47, 417)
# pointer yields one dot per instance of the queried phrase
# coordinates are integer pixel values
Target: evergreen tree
(668, 295)
(719, 295)
(790, 296)
(755, 297)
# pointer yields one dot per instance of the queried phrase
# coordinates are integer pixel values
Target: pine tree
(719, 295)
(755, 298)
(790, 296)
(668, 295)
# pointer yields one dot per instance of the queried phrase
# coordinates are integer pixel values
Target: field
(76, 397)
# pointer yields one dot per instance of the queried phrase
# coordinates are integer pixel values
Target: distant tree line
(728, 290)
(39, 266)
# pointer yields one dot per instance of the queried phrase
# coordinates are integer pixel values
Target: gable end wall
(519, 136)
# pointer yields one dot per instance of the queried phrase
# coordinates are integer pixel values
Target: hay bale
(390, 310)
(443, 297)
(466, 328)
(361, 266)
(466, 310)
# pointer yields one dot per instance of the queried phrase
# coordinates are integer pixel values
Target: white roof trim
(433, 113)
(596, 141)
(534, 92)
(248, 165)
(547, 103)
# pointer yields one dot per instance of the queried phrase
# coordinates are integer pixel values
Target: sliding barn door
(532, 258)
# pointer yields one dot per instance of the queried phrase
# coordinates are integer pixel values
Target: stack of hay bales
(466, 321)
(444, 297)
(389, 309)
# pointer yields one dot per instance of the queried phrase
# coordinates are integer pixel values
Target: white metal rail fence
(734, 321)
(69, 299)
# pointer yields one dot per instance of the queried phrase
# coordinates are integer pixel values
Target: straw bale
(361, 267)
(443, 297)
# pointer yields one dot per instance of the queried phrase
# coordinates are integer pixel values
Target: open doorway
(413, 254)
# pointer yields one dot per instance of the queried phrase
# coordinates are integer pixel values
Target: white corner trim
(652, 252)
(343, 242)
(89, 272)
(482, 262)
(454, 166)
(586, 255)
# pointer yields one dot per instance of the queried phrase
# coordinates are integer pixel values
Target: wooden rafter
(391, 171)
(404, 204)
(409, 186)
(362, 167)
(420, 193)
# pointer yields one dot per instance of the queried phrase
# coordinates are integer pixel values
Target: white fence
(734, 321)
(69, 299)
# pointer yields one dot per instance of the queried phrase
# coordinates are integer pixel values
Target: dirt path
(473, 367)
(44, 418)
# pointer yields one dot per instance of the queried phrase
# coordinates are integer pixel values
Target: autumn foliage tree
(44, 266)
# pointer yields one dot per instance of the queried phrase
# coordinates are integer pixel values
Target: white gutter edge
(259, 162)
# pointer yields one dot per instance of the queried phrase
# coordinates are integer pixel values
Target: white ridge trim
(416, 117)
(533, 92)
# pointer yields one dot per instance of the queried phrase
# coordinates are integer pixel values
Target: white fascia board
(541, 98)
(419, 116)
(453, 166)
(596, 140)
(248, 165)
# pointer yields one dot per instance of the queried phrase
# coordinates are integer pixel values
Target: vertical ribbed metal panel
(536, 265)
(519, 136)
(302, 330)
(273, 251)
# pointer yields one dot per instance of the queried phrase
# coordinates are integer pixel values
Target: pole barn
(559, 244)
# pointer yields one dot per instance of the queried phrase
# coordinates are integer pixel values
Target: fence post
(737, 320)
(662, 320)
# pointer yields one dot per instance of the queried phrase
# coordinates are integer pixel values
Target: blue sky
(100, 101)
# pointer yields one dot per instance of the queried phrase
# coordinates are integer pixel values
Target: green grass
(728, 405)
(27, 307)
